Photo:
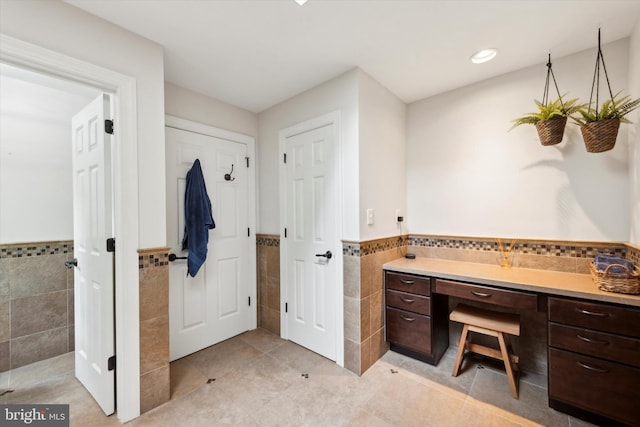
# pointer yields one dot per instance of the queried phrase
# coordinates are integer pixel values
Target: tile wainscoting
(363, 295)
(36, 302)
(154, 327)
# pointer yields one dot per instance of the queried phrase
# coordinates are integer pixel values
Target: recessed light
(300, 2)
(484, 55)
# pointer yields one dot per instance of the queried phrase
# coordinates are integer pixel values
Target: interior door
(311, 194)
(93, 225)
(214, 305)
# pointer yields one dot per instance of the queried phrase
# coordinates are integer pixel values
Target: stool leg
(461, 346)
(507, 365)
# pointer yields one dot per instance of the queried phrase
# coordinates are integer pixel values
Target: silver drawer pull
(407, 282)
(593, 368)
(407, 319)
(591, 313)
(407, 300)
(593, 341)
(481, 294)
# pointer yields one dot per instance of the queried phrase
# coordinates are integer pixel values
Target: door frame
(332, 118)
(125, 198)
(250, 142)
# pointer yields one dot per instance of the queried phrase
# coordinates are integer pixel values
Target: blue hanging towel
(198, 219)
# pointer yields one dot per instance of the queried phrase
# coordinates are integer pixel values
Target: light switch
(369, 216)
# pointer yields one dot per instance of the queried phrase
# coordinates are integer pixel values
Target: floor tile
(258, 379)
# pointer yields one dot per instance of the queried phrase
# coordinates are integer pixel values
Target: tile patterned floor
(258, 379)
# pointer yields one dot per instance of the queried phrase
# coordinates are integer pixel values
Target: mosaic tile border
(350, 249)
(156, 257)
(633, 254)
(19, 250)
(272, 240)
(524, 246)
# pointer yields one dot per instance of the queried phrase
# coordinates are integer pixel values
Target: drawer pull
(407, 300)
(407, 282)
(593, 368)
(407, 319)
(481, 294)
(593, 341)
(591, 313)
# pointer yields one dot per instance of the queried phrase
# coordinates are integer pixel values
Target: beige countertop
(526, 279)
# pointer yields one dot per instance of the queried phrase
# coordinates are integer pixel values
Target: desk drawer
(408, 283)
(410, 302)
(599, 344)
(598, 386)
(505, 297)
(409, 330)
(601, 317)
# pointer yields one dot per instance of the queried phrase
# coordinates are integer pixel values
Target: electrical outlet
(398, 217)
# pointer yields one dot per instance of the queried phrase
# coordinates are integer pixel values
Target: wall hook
(227, 176)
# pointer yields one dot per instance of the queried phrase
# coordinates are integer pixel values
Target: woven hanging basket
(600, 136)
(551, 131)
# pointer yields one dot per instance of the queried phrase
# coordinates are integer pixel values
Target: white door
(214, 305)
(92, 226)
(311, 281)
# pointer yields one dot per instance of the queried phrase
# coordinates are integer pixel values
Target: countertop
(526, 279)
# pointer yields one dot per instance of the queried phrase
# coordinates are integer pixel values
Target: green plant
(610, 109)
(557, 108)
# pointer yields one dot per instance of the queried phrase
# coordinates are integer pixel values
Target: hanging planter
(600, 127)
(551, 118)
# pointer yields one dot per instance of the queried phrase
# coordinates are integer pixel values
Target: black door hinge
(286, 307)
(285, 232)
(247, 161)
(285, 157)
(248, 232)
(111, 244)
(108, 126)
(249, 301)
(111, 363)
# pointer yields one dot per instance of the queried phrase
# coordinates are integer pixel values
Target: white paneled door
(214, 305)
(93, 225)
(311, 273)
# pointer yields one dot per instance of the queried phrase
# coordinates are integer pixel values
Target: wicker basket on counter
(624, 283)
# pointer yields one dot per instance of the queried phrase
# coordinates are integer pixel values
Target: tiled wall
(36, 302)
(154, 327)
(268, 256)
(364, 333)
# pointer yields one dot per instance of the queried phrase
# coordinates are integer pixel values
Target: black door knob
(72, 263)
(326, 255)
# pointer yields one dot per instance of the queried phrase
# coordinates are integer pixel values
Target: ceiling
(257, 53)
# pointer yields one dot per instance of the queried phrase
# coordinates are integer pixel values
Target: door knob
(72, 263)
(326, 255)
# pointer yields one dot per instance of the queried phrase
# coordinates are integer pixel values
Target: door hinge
(111, 244)
(108, 126)
(285, 232)
(286, 307)
(285, 157)
(248, 232)
(247, 158)
(111, 363)
(249, 301)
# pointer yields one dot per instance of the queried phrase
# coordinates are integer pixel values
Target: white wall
(190, 105)
(36, 189)
(339, 94)
(63, 28)
(382, 143)
(634, 137)
(467, 175)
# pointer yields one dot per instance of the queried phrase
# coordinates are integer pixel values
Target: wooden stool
(490, 323)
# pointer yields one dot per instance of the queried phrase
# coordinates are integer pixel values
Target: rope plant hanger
(599, 127)
(551, 130)
(551, 117)
(600, 134)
